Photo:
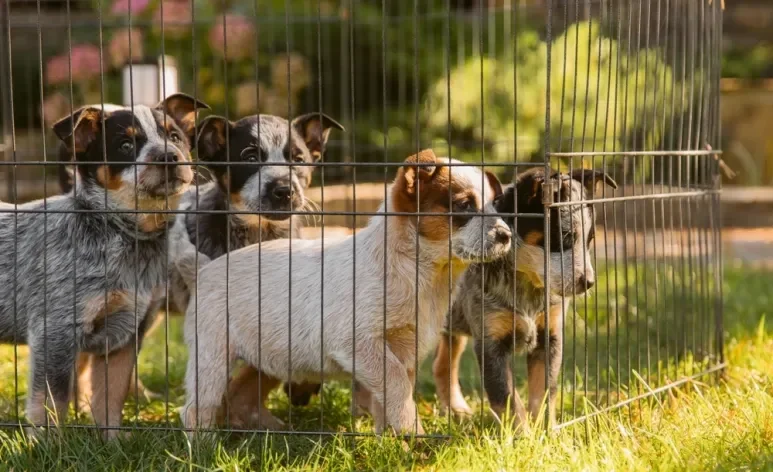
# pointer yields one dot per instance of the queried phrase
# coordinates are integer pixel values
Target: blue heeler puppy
(508, 313)
(79, 272)
(251, 162)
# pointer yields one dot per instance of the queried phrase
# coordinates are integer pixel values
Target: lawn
(707, 424)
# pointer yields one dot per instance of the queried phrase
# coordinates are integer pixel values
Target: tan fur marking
(434, 198)
(534, 238)
(500, 326)
(83, 380)
(536, 369)
(107, 180)
(445, 369)
(108, 398)
(103, 305)
(131, 131)
(402, 342)
(555, 319)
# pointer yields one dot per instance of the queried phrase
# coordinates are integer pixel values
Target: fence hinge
(547, 193)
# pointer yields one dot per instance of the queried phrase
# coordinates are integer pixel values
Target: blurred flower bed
(386, 72)
(224, 57)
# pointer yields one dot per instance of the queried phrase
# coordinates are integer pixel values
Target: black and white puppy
(251, 161)
(79, 272)
(508, 313)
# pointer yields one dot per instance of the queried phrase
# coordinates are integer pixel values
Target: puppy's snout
(282, 193)
(167, 157)
(502, 235)
(585, 283)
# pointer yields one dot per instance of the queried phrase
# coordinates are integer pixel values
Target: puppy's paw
(459, 407)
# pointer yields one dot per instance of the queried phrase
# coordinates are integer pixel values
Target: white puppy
(358, 318)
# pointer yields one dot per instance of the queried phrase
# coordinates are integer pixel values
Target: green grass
(702, 426)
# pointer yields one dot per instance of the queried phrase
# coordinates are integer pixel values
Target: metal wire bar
(659, 307)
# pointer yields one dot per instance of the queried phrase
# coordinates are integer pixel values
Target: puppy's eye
(251, 155)
(175, 137)
(127, 146)
(298, 158)
(464, 206)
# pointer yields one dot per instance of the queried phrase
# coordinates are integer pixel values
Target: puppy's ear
(315, 128)
(182, 108)
(78, 130)
(590, 177)
(212, 136)
(529, 186)
(506, 203)
(419, 167)
(496, 185)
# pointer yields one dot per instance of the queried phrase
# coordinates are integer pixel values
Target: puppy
(276, 320)
(510, 313)
(66, 178)
(102, 265)
(265, 146)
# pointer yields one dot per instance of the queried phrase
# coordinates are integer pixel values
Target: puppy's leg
(206, 376)
(247, 395)
(83, 382)
(363, 400)
(536, 363)
(51, 368)
(446, 372)
(110, 381)
(400, 407)
(494, 360)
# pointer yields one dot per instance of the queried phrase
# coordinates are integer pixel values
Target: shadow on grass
(654, 336)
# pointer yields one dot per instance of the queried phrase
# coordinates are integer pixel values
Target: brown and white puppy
(254, 177)
(501, 304)
(79, 272)
(300, 325)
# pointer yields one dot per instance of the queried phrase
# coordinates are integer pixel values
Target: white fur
(288, 301)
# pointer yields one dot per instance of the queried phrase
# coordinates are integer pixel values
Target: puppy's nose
(584, 284)
(167, 157)
(502, 235)
(282, 192)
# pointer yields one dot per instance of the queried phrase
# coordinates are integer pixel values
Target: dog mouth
(169, 182)
(278, 211)
(171, 188)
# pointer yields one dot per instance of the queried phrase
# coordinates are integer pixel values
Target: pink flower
(121, 7)
(119, 48)
(236, 40)
(84, 61)
(176, 21)
(57, 70)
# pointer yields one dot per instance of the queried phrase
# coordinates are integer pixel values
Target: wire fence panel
(316, 217)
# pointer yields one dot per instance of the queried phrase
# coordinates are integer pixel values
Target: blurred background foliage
(384, 69)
